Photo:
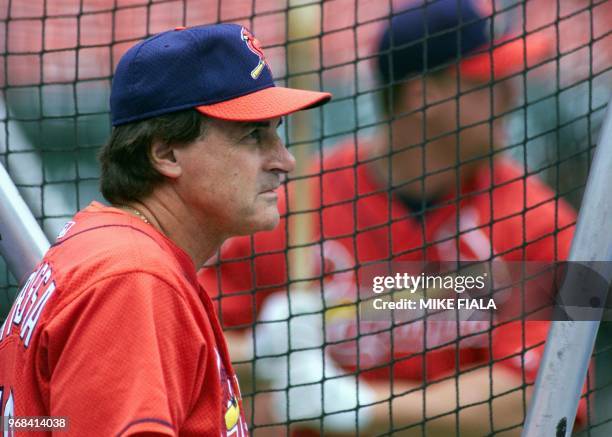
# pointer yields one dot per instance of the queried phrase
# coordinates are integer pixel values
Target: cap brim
(508, 57)
(265, 104)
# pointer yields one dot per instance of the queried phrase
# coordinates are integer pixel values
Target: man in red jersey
(429, 185)
(111, 334)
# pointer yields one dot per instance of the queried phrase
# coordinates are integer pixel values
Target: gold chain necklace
(138, 213)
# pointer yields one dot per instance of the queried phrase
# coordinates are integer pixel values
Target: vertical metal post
(570, 343)
(303, 26)
(22, 242)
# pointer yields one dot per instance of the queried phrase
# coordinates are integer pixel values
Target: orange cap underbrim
(265, 104)
(508, 57)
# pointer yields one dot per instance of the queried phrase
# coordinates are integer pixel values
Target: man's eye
(255, 134)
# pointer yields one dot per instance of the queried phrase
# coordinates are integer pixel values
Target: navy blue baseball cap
(427, 36)
(220, 70)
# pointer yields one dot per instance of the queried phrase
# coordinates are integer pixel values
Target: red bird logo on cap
(254, 46)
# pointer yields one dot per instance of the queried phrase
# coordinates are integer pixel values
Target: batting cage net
(458, 131)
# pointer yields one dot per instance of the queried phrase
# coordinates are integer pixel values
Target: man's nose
(283, 161)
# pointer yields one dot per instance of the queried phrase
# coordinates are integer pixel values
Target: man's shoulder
(97, 246)
(513, 188)
(523, 207)
(112, 248)
(513, 179)
(99, 238)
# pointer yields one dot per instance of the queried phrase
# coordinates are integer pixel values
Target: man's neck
(403, 169)
(199, 240)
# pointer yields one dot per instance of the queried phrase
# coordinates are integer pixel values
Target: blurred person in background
(429, 186)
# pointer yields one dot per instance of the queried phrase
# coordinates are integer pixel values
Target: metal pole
(22, 242)
(304, 24)
(570, 343)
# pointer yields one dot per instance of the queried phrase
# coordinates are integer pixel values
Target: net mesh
(55, 72)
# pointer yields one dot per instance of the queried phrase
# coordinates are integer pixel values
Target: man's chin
(271, 223)
(266, 222)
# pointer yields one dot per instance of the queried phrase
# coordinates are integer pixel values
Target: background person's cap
(220, 70)
(425, 37)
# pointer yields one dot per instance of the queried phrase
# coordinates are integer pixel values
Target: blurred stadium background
(58, 57)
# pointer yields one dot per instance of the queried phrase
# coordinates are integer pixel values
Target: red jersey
(500, 215)
(112, 331)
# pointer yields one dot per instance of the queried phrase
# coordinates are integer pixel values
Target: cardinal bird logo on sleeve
(254, 46)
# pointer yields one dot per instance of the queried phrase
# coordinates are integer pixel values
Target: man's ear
(163, 160)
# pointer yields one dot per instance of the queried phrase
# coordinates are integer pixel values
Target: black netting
(56, 67)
